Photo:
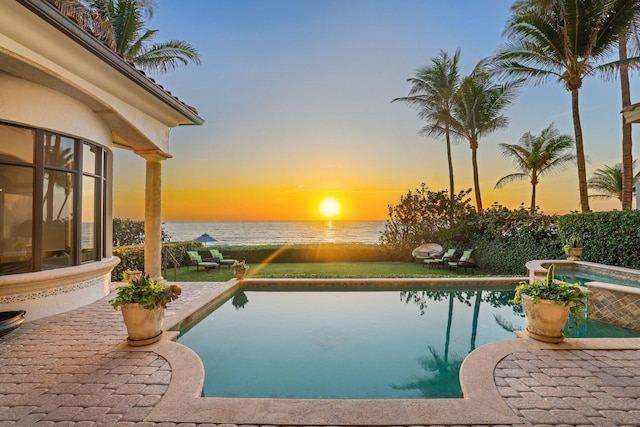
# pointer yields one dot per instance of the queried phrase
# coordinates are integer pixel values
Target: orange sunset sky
(296, 97)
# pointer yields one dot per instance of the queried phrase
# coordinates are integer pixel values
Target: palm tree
(121, 25)
(135, 42)
(564, 40)
(609, 181)
(627, 138)
(477, 111)
(432, 92)
(537, 155)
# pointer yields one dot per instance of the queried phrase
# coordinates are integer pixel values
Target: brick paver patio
(62, 371)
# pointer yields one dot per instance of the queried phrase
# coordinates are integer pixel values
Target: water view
(278, 232)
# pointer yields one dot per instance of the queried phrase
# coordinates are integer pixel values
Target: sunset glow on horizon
(296, 98)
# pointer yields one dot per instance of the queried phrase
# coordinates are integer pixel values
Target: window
(52, 190)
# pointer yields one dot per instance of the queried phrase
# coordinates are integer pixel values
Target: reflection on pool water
(353, 344)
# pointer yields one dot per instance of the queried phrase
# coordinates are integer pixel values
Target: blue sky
(296, 98)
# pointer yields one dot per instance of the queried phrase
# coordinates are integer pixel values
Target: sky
(296, 97)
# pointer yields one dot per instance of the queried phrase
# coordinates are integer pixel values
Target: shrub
(128, 232)
(611, 238)
(424, 216)
(507, 239)
(132, 257)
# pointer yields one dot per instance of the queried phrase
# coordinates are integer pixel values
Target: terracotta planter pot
(143, 326)
(574, 254)
(545, 320)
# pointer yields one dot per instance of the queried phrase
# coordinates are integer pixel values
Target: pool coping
(482, 402)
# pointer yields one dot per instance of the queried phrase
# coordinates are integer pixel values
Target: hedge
(132, 257)
(611, 238)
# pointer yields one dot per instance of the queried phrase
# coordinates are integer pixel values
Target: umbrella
(204, 239)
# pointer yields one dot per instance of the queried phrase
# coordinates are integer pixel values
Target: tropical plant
(240, 266)
(537, 155)
(608, 180)
(563, 40)
(147, 292)
(135, 42)
(572, 242)
(422, 216)
(627, 136)
(432, 91)
(120, 24)
(560, 293)
(478, 110)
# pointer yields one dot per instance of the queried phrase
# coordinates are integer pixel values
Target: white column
(153, 213)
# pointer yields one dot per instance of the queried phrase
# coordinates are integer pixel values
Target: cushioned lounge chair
(443, 260)
(214, 255)
(195, 259)
(466, 261)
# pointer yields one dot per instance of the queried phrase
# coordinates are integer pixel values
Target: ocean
(253, 233)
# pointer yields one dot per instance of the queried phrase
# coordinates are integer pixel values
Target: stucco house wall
(55, 77)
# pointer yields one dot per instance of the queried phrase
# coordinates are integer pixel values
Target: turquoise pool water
(582, 277)
(353, 344)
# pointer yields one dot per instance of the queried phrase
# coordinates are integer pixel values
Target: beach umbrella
(204, 239)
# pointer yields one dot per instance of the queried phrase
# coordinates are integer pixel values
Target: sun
(330, 207)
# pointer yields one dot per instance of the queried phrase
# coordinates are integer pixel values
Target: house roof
(52, 15)
(631, 113)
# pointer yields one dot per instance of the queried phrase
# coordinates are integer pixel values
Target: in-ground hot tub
(614, 291)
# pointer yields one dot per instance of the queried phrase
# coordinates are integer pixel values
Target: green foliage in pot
(240, 266)
(561, 293)
(572, 241)
(147, 292)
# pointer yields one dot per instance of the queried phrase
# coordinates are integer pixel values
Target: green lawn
(322, 270)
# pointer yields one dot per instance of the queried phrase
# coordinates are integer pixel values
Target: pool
(347, 344)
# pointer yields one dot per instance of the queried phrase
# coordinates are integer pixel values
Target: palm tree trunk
(476, 179)
(450, 160)
(627, 141)
(534, 183)
(533, 197)
(580, 159)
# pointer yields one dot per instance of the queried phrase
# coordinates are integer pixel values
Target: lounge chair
(427, 251)
(466, 261)
(195, 259)
(214, 255)
(443, 260)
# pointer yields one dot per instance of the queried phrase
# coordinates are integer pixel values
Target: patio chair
(443, 260)
(466, 261)
(214, 255)
(195, 259)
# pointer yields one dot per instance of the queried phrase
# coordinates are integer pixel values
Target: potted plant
(573, 247)
(239, 269)
(143, 301)
(547, 304)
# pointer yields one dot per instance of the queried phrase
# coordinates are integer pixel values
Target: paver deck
(68, 370)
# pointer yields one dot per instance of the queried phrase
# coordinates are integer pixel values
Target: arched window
(52, 200)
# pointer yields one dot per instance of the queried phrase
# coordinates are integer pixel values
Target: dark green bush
(506, 239)
(424, 216)
(132, 257)
(611, 238)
